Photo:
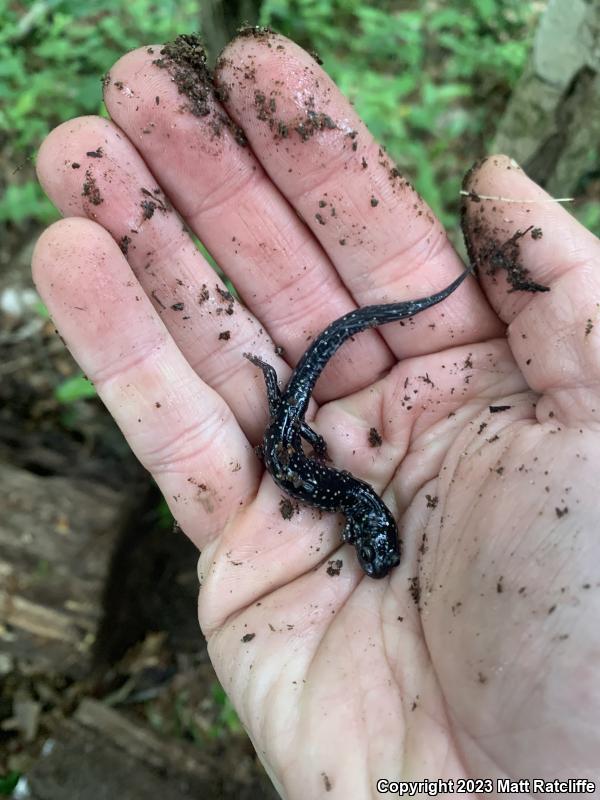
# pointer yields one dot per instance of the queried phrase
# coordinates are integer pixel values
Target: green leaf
(228, 717)
(589, 215)
(21, 201)
(165, 518)
(41, 310)
(76, 388)
(8, 783)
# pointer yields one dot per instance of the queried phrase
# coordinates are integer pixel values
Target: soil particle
(326, 782)
(506, 256)
(314, 122)
(286, 508)
(260, 32)
(334, 567)
(90, 189)
(204, 294)
(124, 243)
(375, 439)
(414, 587)
(148, 208)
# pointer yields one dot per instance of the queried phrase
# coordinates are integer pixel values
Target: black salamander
(370, 526)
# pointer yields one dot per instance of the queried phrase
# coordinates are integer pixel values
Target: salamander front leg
(273, 392)
(317, 442)
(349, 532)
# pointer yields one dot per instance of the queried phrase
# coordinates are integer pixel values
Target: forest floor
(106, 688)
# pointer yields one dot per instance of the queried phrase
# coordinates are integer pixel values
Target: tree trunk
(220, 19)
(552, 124)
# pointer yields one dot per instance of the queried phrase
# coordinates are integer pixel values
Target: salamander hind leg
(317, 442)
(273, 392)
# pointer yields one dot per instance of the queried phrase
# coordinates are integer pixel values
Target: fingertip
(251, 38)
(131, 66)
(487, 166)
(521, 239)
(48, 246)
(58, 144)
(64, 243)
(64, 159)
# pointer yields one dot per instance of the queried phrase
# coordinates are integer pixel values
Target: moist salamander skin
(370, 526)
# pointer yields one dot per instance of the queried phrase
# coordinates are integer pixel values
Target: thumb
(540, 270)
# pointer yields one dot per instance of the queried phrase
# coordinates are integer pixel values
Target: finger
(88, 168)
(554, 335)
(222, 192)
(179, 428)
(383, 240)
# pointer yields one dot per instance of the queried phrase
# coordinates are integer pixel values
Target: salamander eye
(367, 554)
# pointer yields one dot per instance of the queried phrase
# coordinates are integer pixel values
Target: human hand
(475, 657)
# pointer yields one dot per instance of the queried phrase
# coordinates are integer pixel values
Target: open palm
(478, 656)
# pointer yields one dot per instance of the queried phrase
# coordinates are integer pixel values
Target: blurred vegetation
(53, 54)
(214, 718)
(8, 783)
(429, 78)
(73, 389)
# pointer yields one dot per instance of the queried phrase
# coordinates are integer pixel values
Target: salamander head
(376, 541)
